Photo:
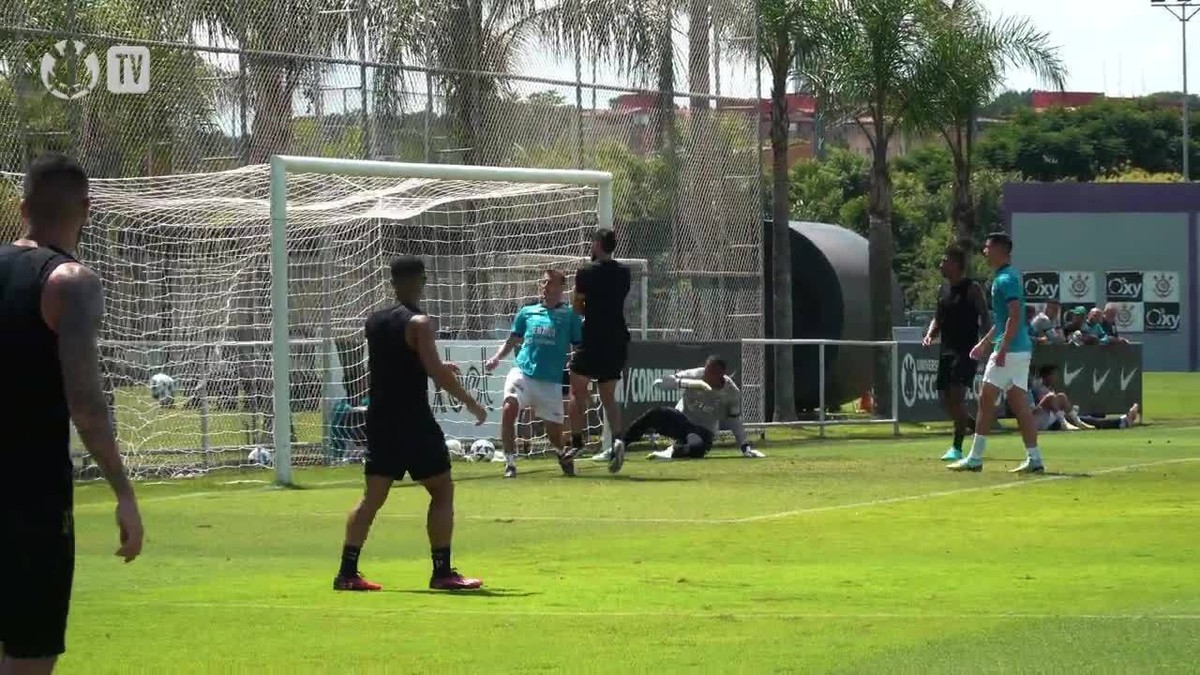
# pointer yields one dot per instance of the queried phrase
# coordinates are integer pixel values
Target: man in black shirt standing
(600, 290)
(51, 307)
(962, 316)
(402, 434)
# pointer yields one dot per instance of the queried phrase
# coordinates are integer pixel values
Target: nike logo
(1068, 376)
(1126, 379)
(1098, 382)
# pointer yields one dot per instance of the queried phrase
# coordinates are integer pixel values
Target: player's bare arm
(980, 302)
(932, 332)
(1011, 326)
(578, 302)
(420, 337)
(982, 347)
(507, 348)
(72, 306)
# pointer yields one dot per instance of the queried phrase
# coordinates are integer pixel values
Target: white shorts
(1044, 419)
(1014, 372)
(546, 398)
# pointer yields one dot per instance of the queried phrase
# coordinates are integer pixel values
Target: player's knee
(509, 411)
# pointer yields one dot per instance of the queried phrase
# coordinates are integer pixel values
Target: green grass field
(852, 554)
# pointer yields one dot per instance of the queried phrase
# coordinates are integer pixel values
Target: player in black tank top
(50, 312)
(599, 297)
(402, 434)
(962, 316)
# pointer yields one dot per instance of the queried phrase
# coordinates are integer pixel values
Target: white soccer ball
(260, 456)
(482, 450)
(454, 446)
(162, 389)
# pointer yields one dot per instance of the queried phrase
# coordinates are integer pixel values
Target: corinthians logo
(1164, 285)
(1125, 315)
(908, 380)
(1079, 285)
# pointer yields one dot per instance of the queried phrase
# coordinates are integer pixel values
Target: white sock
(1060, 416)
(510, 459)
(1035, 454)
(978, 446)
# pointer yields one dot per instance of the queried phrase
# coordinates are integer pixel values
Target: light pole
(1183, 10)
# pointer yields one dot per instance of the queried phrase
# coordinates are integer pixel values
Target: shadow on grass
(477, 593)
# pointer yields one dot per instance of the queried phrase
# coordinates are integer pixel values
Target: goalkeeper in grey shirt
(710, 400)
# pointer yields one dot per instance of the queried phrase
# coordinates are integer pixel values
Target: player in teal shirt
(1007, 368)
(545, 332)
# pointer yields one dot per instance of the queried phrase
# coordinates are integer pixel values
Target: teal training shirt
(548, 333)
(1007, 287)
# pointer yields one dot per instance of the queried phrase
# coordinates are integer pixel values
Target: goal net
(236, 300)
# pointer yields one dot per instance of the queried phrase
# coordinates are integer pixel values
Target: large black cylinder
(831, 299)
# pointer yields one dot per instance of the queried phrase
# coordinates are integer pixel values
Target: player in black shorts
(600, 290)
(962, 316)
(50, 312)
(402, 434)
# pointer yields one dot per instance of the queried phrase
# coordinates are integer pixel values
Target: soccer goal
(236, 299)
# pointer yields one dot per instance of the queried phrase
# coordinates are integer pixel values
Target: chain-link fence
(640, 89)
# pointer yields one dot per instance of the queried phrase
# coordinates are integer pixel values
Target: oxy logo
(1124, 286)
(1080, 286)
(128, 70)
(1162, 316)
(1126, 378)
(1040, 286)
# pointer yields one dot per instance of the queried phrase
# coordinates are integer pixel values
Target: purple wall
(1116, 198)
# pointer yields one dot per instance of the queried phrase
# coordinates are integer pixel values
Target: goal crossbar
(282, 165)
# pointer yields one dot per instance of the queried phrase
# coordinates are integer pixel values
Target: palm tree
(970, 55)
(787, 36)
(875, 53)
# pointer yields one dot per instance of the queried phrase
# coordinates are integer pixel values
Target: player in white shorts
(545, 332)
(1008, 366)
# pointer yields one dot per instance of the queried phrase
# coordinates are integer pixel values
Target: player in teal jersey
(1008, 366)
(545, 332)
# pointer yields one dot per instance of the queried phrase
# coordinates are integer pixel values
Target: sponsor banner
(1130, 317)
(1161, 286)
(1161, 317)
(1077, 288)
(487, 388)
(1041, 286)
(649, 361)
(1099, 379)
(1123, 286)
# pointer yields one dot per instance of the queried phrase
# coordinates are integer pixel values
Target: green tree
(1007, 103)
(970, 54)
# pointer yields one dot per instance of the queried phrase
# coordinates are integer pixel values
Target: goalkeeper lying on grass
(710, 400)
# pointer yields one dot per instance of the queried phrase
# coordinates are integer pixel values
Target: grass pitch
(851, 554)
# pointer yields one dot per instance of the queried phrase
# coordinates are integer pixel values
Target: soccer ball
(482, 450)
(260, 456)
(162, 389)
(454, 447)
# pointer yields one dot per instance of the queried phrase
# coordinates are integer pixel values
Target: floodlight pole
(1186, 10)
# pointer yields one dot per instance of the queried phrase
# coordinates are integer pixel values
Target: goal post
(282, 166)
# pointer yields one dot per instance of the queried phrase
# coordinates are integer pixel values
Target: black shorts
(603, 362)
(417, 448)
(37, 569)
(956, 369)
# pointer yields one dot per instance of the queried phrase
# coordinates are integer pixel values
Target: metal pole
(821, 385)
(895, 387)
(1187, 174)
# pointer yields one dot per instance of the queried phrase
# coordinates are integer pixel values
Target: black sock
(958, 437)
(349, 560)
(441, 562)
(576, 441)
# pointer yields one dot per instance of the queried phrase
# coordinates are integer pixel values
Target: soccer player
(402, 434)
(599, 297)
(962, 315)
(545, 332)
(1008, 366)
(710, 398)
(51, 306)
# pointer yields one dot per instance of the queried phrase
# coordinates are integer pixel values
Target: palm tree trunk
(964, 203)
(781, 241)
(881, 252)
(700, 23)
(271, 132)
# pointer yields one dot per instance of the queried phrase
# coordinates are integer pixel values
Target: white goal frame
(282, 165)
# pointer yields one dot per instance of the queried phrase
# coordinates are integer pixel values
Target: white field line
(1013, 484)
(377, 609)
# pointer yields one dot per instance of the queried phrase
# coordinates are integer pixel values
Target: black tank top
(35, 433)
(958, 319)
(604, 285)
(396, 380)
